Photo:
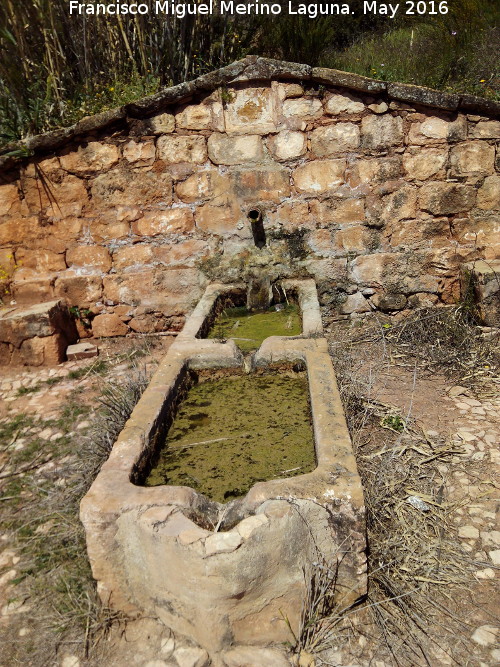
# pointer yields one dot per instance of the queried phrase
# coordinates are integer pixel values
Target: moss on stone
(249, 329)
(230, 433)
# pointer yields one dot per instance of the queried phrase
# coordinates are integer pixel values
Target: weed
(393, 422)
(97, 368)
(226, 96)
(53, 380)
(84, 315)
(22, 391)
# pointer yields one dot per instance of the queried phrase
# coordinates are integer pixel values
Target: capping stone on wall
(252, 68)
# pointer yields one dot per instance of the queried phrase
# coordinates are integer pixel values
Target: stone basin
(235, 573)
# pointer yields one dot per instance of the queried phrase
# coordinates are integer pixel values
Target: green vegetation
(97, 368)
(248, 329)
(436, 55)
(56, 68)
(228, 435)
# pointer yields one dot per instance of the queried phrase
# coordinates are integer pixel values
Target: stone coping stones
(227, 574)
(36, 335)
(250, 68)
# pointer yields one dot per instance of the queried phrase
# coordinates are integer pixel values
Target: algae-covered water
(230, 433)
(248, 329)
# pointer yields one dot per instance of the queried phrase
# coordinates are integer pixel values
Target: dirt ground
(46, 413)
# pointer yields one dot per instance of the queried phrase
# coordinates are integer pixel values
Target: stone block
(321, 243)
(355, 303)
(305, 108)
(90, 159)
(292, 215)
(472, 158)
(260, 184)
(37, 335)
(378, 107)
(399, 205)
(148, 323)
(226, 149)
(334, 77)
(108, 325)
(422, 95)
(27, 292)
(485, 129)
(173, 149)
(344, 103)
(36, 262)
(425, 163)
(81, 351)
(319, 176)
(62, 199)
(371, 270)
(91, 259)
(171, 291)
(170, 221)
(105, 229)
(434, 130)
(10, 202)
(446, 198)
(12, 229)
(332, 139)
(219, 216)
(194, 117)
(253, 656)
(191, 656)
(140, 154)
(376, 170)
(185, 253)
(78, 290)
(133, 257)
(163, 123)
(331, 270)
(290, 90)
(357, 239)
(122, 188)
(250, 111)
(287, 145)
(389, 301)
(203, 185)
(337, 210)
(381, 132)
(46, 351)
(488, 195)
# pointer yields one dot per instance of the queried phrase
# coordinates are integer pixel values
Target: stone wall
(380, 200)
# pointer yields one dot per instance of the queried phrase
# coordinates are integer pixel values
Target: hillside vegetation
(56, 68)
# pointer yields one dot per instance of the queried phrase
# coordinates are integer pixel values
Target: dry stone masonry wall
(380, 200)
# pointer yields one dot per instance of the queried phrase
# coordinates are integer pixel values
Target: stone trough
(231, 574)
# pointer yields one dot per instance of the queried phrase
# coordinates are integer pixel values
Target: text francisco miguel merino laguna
(232, 7)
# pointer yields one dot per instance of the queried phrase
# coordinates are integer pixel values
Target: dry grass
(417, 568)
(40, 517)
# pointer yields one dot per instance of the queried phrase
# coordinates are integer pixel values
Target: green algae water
(248, 329)
(229, 434)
